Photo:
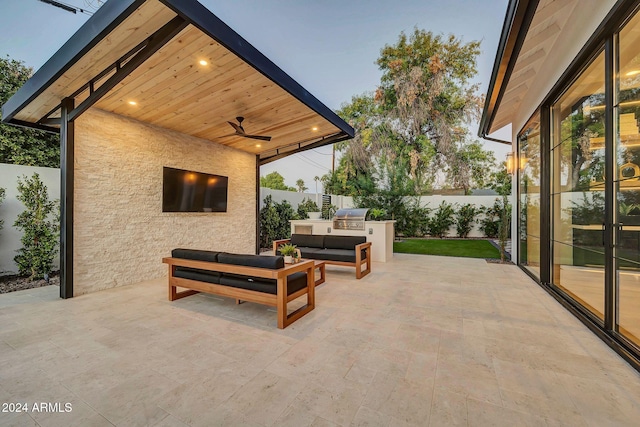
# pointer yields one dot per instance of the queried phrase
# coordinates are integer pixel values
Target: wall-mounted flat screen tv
(189, 191)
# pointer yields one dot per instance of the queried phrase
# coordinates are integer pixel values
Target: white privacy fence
(432, 202)
(11, 207)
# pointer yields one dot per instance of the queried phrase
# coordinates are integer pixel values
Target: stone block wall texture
(120, 231)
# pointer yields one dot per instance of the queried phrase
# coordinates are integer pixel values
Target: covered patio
(423, 341)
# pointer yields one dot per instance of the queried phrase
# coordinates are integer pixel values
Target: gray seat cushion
(260, 261)
(308, 240)
(343, 242)
(195, 254)
(295, 282)
(308, 252)
(342, 255)
(197, 274)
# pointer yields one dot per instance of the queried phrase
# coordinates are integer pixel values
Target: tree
(19, 145)
(416, 123)
(275, 181)
(501, 180)
(300, 186)
(316, 179)
(39, 223)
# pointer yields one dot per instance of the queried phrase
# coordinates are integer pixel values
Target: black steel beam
(326, 141)
(67, 139)
(30, 125)
(211, 25)
(156, 41)
(108, 17)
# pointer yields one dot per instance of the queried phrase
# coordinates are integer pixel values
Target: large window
(577, 189)
(529, 196)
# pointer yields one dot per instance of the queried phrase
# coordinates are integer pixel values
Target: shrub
(307, 205)
(504, 231)
(492, 222)
(41, 232)
(413, 218)
(465, 217)
(329, 211)
(442, 220)
(274, 221)
(376, 214)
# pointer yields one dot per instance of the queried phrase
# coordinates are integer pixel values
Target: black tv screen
(189, 191)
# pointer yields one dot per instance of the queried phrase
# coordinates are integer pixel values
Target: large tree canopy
(23, 146)
(275, 181)
(414, 127)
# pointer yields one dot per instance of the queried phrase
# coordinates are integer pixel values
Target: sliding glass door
(627, 182)
(578, 188)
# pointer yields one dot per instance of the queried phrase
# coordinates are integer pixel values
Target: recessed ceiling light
(203, 62)
(133, 103)
(258, 145)
(315, 128)
(633, 73)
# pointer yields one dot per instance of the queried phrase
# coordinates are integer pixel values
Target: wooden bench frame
(360, 273)
(279, 300)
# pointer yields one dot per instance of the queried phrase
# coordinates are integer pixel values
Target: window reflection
(627, 152)
(529, 195)
(578, 189)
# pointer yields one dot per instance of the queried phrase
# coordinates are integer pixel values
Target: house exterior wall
(120, 231)
(584, 20)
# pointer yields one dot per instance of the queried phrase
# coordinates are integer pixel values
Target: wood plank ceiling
(550, 18)
(192, 85)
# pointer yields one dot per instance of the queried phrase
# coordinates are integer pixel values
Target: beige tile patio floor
(426, 341)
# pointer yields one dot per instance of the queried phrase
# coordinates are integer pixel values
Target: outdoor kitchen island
(379, 233)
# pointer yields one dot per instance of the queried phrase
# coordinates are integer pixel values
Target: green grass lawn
(448, 247)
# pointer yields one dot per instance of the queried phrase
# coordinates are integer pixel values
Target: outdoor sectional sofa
(353, 251)
(260, 279)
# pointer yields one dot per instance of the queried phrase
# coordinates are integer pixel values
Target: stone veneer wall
(120, 231)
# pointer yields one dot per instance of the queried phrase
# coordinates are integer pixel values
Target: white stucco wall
(12, 207)
(120, 231)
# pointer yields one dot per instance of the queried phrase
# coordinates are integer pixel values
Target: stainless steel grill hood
(350, 219)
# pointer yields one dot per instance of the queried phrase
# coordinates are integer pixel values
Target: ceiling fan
(240, 131)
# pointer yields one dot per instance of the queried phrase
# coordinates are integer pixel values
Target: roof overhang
(185, 70)
(518, 18)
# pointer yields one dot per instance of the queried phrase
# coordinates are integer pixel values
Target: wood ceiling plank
(132, 31)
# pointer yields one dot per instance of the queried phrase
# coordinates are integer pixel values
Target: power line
(67, 7)
(311, 161)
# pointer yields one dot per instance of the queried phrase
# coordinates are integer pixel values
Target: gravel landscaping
(19, 283)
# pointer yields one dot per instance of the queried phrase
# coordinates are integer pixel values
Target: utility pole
(333, 158)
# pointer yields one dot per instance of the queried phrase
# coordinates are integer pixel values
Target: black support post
(545, 195)
(257, 204)
(66, 198)
(611, 226)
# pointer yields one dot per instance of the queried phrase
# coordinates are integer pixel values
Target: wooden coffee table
(320, 265)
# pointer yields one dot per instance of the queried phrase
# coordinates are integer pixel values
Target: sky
(328, 46)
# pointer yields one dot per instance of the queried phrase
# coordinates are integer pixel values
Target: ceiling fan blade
(260, 137)
(238, 128)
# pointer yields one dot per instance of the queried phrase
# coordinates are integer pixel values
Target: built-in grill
(349, 219)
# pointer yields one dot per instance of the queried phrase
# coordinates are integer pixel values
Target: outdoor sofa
(260, 279)
(353, 251)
